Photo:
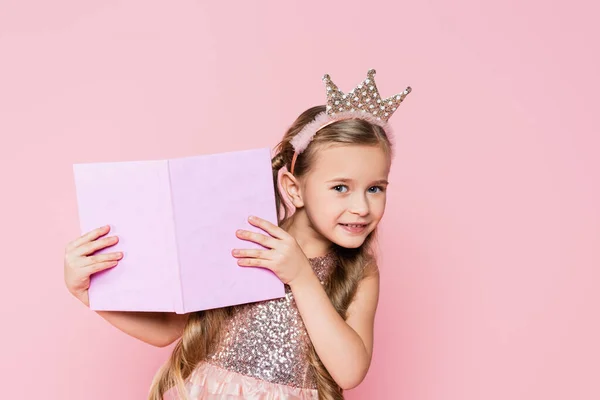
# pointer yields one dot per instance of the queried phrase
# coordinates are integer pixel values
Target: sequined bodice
(268, 339)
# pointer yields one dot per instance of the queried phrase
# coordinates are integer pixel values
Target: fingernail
(252, 218)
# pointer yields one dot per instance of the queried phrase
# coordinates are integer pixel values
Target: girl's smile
(354, 228)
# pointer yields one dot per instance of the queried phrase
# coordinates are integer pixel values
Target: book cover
(176, 221)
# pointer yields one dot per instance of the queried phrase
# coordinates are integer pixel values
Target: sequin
(268, 339)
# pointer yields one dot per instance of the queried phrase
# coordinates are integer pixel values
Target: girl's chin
(349, 242)
(350, 245)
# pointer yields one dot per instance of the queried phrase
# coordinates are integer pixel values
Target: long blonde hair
(202, 330)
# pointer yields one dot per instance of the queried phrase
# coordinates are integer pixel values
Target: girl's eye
(380, 188)
(338, 188)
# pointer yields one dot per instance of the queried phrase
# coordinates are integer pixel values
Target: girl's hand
(79, 265)
(282, 255)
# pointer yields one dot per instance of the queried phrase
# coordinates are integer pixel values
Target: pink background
(491, 241)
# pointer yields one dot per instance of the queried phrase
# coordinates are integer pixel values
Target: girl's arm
(156, 328)
(81, 261)
(344, 347)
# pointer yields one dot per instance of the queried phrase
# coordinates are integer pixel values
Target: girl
(332, 166)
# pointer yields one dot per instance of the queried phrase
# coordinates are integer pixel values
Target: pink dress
(262, 353)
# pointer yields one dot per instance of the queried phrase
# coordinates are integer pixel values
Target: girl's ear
(291, 186)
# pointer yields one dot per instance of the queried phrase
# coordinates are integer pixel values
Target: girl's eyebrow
(345, 180)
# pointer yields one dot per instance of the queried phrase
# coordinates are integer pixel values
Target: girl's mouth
(354, 228)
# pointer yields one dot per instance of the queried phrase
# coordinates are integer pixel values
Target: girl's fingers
(97, 267)
(254, 262)
(263, 240)
(86, 261)
(91, 247)
(268, 227)
(102, 258)
(88, 237)
(251, 253)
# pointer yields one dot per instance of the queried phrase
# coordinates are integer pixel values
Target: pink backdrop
(490, 244)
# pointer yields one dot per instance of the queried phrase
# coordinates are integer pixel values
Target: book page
(213, 195)
(134, 198)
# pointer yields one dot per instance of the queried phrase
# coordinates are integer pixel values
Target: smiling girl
(332, 166)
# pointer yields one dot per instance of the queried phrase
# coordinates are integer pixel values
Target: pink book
(176, 221)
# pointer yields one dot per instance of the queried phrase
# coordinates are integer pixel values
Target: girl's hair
(203, 327)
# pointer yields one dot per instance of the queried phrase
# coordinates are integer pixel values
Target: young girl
(332, 166)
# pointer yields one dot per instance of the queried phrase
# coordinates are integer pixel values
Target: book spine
(177, 289)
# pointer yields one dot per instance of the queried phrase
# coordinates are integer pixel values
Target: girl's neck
(312, 243)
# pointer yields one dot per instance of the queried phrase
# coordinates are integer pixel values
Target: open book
(176, 221)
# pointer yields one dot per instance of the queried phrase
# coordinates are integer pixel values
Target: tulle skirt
(209, 382)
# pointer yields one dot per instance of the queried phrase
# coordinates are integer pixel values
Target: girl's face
(344, 193)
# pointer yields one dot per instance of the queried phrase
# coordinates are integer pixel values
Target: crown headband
(362, 102)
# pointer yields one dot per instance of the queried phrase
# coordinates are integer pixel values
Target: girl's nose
(359, 205)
